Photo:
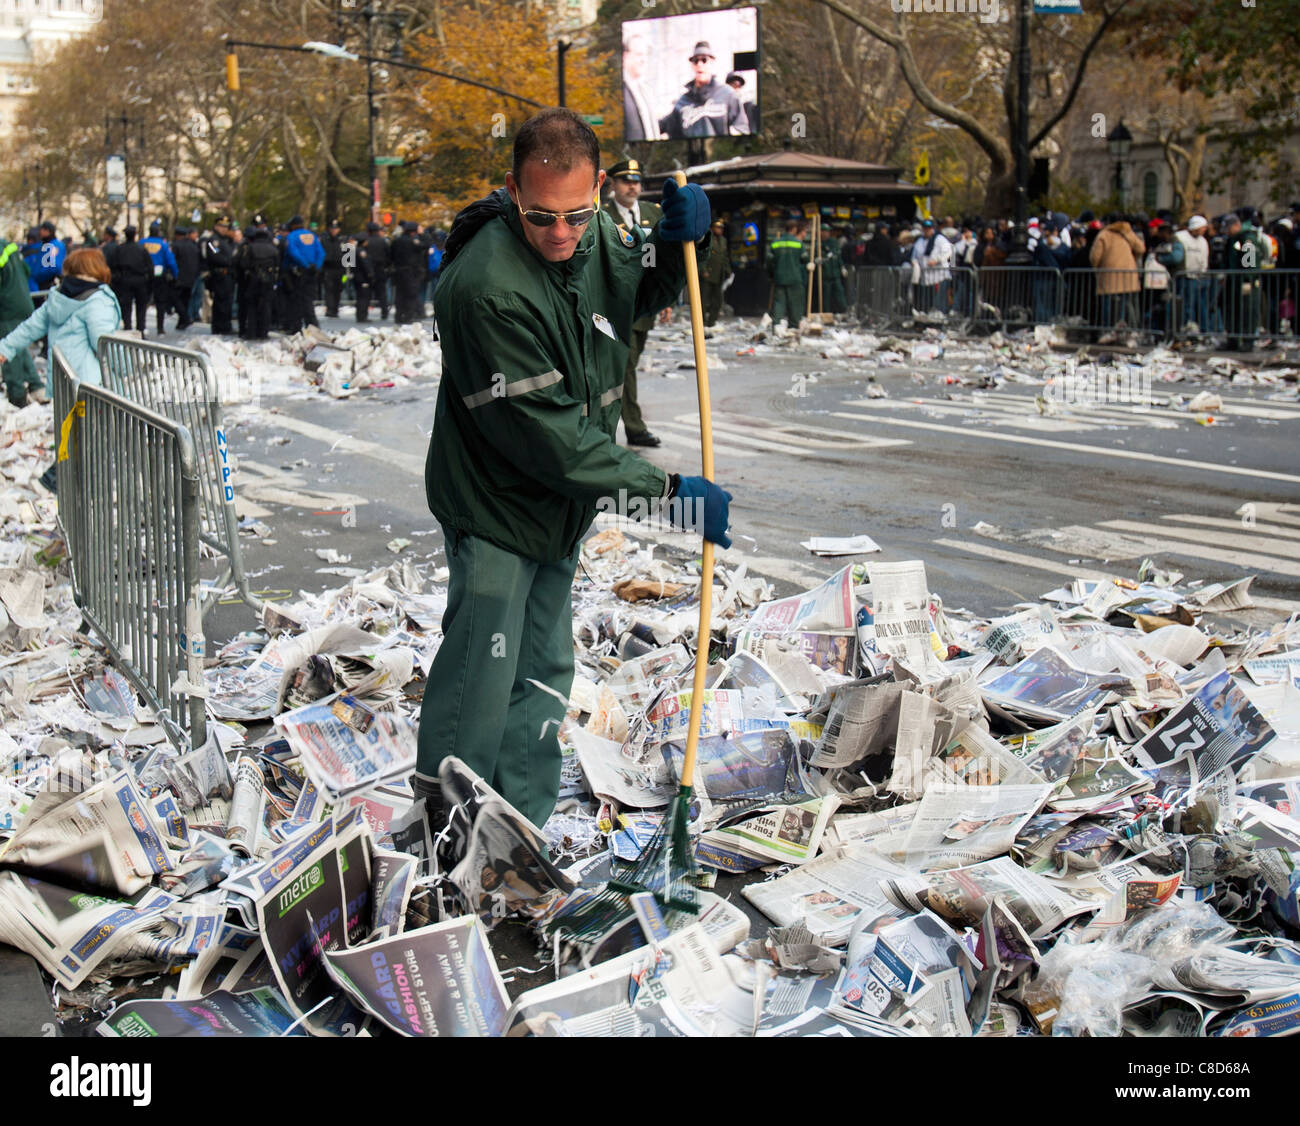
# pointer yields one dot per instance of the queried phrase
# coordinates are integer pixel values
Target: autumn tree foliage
(459, 136)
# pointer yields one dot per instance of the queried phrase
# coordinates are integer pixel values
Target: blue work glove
(686, 212)
(696, 501)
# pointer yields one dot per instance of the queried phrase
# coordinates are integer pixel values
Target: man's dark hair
(561, 138)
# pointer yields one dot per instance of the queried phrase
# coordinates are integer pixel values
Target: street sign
(115, 168)
(1058, 8)
(593, 119)
(389, 160)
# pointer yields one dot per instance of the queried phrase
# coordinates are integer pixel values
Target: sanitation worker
(535, 306)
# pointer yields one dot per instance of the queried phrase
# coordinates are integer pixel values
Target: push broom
(666, 867)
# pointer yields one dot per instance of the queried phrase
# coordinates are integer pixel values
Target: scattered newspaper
(440, 980)
(957, 825)
(962, 895)
(849, 828)
(742, 773)
(618, 777)
(1273, 669)
(259, 1012)
(829, 606)
(1218, 728)
(347, 749)
(827, 894)
(316, 899)
(681, 987)
(244, 824)
(830, 546)
(1018, 636)
(790, 833)
(1047, 685)
(901, 611)
(917, 964)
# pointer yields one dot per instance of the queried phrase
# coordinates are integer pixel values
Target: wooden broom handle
(706, 459)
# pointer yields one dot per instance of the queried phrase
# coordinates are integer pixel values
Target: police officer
(627, 210)
(219, 261)
(108, 245)
(410, 263)
(373, 265)
(786, 262)
(302, 258)
(715, 271)
(185, 249)
(257, 265)
(132, 279)
(164, 272)
(333, 243)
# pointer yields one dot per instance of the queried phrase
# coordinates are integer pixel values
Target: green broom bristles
(666, 869)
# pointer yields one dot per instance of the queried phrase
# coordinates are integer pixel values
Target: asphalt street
(1002, 501)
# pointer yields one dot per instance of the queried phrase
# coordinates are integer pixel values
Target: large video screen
(691, 76)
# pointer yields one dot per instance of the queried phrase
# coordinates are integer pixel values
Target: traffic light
(232, 71)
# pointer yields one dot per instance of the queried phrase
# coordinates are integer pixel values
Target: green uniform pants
(509, 621)
(20, 372)
(833, 290)
(711, 299)
(788, 304)
(633, 423)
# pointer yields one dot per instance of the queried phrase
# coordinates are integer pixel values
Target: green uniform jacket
(650, 214)
(533, 354)
(786, 259)
(15, 307)
(717, 265)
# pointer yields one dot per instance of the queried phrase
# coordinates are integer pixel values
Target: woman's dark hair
(561, 138)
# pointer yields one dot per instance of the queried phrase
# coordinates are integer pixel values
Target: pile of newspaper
(313, 361)
(1078, 818)
(1081, 817)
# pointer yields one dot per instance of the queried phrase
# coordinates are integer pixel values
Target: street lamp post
(562, 46)
(1119, 141)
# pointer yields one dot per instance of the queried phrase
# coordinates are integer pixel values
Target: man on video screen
(707, 108)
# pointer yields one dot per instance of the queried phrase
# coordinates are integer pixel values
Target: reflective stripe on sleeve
(519, 387)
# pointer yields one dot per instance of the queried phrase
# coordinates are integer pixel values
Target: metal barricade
(1236, 306)
(128, 492)
(1018, 297)
(887, 295)
(178, 383)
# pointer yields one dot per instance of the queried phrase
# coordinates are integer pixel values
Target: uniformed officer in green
(16, 306)
(535, 305)
(627, 210)
(787, 263)
(832, 275)
(715, 271)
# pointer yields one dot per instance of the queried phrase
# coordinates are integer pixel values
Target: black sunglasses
(547, 218)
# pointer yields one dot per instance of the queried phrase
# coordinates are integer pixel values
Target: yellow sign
(921, 177)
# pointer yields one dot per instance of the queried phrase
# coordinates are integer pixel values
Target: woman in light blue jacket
(74, 317)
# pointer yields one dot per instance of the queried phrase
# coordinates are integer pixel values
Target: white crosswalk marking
(1078, 447)
(1118, 414)
(1215, 522)
(745, 436)
(1265, 546)
(1057, 567)
(1132, 539)
(1253, 408)
(976, 412)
